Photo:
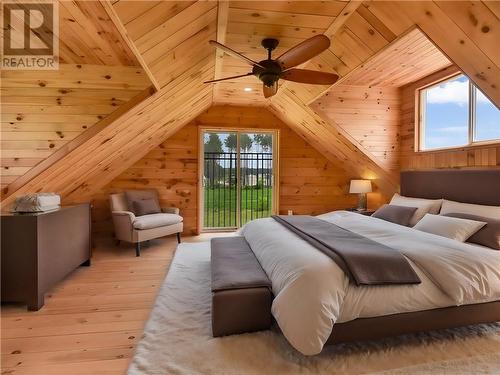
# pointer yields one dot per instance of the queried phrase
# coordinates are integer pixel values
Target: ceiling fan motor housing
(270, 74)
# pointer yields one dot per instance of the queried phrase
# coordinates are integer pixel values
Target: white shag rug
(178, 340)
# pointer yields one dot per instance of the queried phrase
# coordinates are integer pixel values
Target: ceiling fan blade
(233, 53)
(309, 76)
(304, 51)
(226, 78)
(270, 90)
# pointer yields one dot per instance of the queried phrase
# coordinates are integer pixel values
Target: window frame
(420, 112)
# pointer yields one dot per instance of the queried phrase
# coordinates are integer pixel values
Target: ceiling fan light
(247, 89)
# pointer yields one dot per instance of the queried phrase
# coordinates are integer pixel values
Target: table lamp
(361, 187)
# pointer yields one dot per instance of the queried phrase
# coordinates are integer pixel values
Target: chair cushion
(156, 220)
(146, 207)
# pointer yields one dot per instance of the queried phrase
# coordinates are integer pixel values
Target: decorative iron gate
(237, 187)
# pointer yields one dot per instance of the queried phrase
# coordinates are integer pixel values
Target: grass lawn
(220, 205)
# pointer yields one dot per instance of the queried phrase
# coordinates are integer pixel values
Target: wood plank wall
(309, 183)
(44, 110)
(474, 156)
(370, 115)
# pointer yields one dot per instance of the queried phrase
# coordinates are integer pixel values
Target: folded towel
(39, 202)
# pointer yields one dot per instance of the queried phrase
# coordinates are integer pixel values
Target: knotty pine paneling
(462, 157)
(180, 98)
(370, 115)
(170, 35)
(174, 45)
(334, 143)
(88, 36)
(409, 58)
(44, 110)
(309, 183)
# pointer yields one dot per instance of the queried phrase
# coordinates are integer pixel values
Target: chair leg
(138, 249)
(179, 237)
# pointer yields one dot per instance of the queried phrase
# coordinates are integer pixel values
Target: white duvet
(312, 292)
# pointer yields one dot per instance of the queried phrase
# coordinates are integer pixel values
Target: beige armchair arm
(170, 210)
(124, 213)
(122, 221)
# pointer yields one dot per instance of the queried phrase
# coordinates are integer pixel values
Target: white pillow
(423, 206)
(452, 207)
(451, 227)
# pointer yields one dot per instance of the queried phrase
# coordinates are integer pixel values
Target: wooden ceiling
(170, 41)
(408, 59)
(246, 23)
(171, 36)
(88, 36)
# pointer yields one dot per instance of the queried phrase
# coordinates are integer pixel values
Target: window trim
(420, 111)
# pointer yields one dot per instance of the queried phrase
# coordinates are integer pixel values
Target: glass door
(238, 178)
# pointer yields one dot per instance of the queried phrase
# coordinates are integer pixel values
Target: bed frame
(477, 186)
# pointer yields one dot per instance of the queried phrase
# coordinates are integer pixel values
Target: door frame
(201, 159)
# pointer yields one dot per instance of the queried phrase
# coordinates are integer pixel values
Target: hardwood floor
(92, 320)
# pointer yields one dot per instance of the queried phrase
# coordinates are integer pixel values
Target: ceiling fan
(269, 71)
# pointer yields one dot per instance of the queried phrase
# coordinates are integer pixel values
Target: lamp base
(361, 202)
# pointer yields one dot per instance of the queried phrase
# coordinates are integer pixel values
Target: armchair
(136, 229)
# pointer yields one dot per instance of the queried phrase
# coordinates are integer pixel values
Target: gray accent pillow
(146, 207)
(488, 236)
(395, 214)
(138, 195)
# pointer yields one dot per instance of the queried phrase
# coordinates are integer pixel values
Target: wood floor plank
(106, 367)
(78, 328)
(93, 319)
(30, 321)
(66, 356)
(70, 342)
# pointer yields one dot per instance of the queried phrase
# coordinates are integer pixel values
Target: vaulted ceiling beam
(339, 21)
(108, 7)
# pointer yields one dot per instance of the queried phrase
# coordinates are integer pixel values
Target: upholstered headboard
(478, 186)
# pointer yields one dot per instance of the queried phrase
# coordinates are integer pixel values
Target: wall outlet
(290, 212)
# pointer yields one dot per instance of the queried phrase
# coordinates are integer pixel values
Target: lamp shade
(360, 186)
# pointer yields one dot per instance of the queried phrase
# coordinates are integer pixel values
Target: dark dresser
(40, 249)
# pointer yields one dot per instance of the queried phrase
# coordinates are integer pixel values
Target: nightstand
(364, 212)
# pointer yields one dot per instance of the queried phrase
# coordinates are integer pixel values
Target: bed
(460, 286)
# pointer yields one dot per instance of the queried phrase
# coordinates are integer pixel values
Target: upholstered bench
(241, 290)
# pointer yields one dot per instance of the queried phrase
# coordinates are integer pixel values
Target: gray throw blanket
(365, 261)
